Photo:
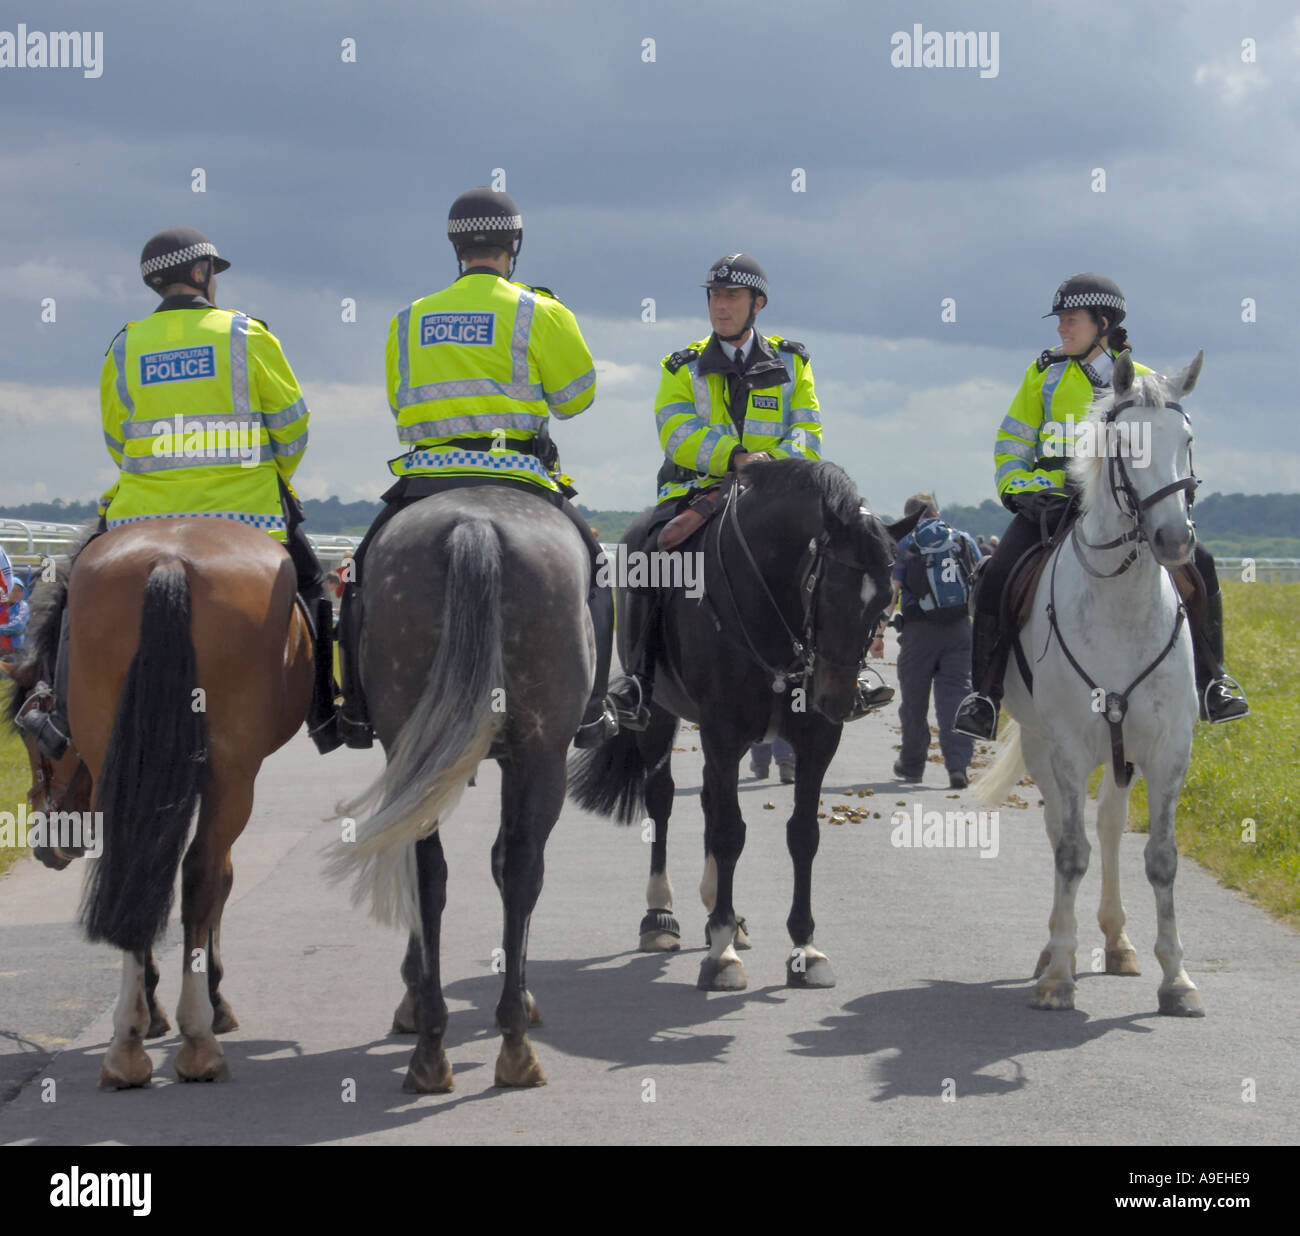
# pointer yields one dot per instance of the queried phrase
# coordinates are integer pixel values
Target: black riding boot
(977, 714)
(630, 692)
(1214, 688)
(354, 716)
(49, 729)
(322, 718)
(599, 722)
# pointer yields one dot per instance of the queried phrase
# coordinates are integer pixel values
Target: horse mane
(43, 625)
(1087, 472)
(828, 480)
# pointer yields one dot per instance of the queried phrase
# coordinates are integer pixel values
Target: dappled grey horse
(477, 644)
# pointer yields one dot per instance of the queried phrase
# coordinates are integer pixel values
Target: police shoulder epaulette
(789, 345)
(678, 359)
(112, 341)
(259, 321)
(1050, 356)
(541, 291)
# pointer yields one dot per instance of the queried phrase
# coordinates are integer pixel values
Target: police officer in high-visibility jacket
(1058, 389)
(723, 401)
(204, 417)
(474, 372)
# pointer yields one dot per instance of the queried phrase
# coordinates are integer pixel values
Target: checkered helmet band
(1088, 300)
(737, 270)
(485, 223)
(178, 257)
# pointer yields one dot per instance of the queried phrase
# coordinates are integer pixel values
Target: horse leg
(806, 966)
(404, 1017)
(1177, 993)
(660, 931)
(158, 1023)
(1055, 987)
(1112, 814)
(429, 1071)
(223, 1016)
(1038, 762)
(532, 794)
(227, 802)
(724, 839)
(709, 884)
(126, 1063)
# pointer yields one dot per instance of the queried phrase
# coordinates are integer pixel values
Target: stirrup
(41, 724)
(602, 729)
(977, 717)
(868, 697)
(1232, 707)
(629, 716)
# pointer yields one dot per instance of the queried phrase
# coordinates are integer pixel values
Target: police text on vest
(472, 329)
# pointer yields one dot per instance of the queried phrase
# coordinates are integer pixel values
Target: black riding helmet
(1094, 292)
(738, 270)
(483, 216)
(169, 256)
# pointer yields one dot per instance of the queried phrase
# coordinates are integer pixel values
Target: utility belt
(540, 445)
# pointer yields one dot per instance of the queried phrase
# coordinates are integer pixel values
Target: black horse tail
(610, 779)
(449, 731)
(152, 775)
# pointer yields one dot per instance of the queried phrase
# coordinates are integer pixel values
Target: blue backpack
(939, 568)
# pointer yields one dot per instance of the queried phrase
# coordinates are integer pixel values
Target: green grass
(1245, 770)
(15, 777)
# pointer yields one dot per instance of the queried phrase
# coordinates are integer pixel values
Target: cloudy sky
(636, 164)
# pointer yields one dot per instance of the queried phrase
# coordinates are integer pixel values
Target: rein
(1133, 508)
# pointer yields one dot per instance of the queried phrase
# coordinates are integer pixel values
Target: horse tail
(993, 784)
(447, 734)
(610, 779)
(152, 775)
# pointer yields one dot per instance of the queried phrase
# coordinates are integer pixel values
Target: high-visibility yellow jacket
(700, 430)
(475, 370)
(1054, 395)
(201, 413)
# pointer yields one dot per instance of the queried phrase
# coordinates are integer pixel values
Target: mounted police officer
(204, 417)
(1057, 389)
(474, 373)
(723, 401)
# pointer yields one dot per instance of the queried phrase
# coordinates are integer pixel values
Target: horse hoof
(1181, 1003)
(1122, 961)
(202, 1063)
(224, 1019)
(1057, 996)
(802, 970)
(429, 1071)
(404, 1017)
(660, 932)
(534, 1013)
(125, 1068)
(517, 1065)
(159, 1026)
(721, 976)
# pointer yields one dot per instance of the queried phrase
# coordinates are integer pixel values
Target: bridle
(1126, 498)
(1121, 485)
(55, 792)
(817, 560)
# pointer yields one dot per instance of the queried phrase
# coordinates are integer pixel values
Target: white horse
(1107, 641)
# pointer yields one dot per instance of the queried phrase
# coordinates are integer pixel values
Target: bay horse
(189, 663)
(1109, 655)
(486, 650)
(796, 574)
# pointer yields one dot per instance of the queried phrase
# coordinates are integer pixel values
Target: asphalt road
(928, 1038)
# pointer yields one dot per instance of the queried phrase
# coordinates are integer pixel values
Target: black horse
(485, 650)
(796, 575)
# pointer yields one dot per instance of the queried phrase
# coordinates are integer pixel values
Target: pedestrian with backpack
(932, 576)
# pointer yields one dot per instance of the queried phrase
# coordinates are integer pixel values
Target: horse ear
(1185, 380)
(905, 525)
(1122, 379)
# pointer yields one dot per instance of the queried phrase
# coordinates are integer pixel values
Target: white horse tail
(447, 734)
(995, 782)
